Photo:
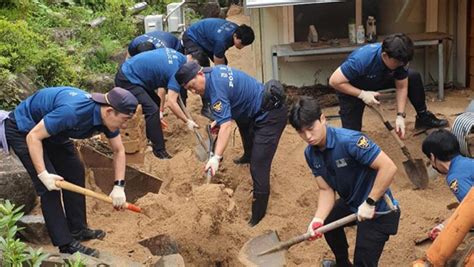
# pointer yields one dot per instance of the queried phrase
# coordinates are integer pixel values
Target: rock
(119, 57)
(16, 184)
(99, 82)
(210, 10)
(173, 260)
(34, 230)
(62, 35)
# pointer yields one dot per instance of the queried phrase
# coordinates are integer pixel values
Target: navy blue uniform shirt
(345, 166)
(159, 38)
(154, 69)
(233, 94)
(215, 36)
(365, 69)
(67, 112)
(460, 176)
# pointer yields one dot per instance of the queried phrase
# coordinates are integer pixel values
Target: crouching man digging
(347, 162)
(259, 111)
(39, 132)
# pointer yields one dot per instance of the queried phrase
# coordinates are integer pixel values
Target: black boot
(259, 208)
(242, 160)
(88, 234)
(426, 120)
(161, 154)
(75, 246)
(206, 110)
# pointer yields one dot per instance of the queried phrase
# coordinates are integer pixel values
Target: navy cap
(187, 72)
(120, 99)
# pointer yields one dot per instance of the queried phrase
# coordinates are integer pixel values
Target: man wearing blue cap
(259, 111)
(142, 75)
(154, 40)
(39, 132)
(346, 162)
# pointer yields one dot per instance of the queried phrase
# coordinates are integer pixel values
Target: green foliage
(13, 249)
(78, 261)
(55, 68)
(9, 95)
(99, 58)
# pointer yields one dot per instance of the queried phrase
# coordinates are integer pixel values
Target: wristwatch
(120, 183)
(370, 201)
(403, 114)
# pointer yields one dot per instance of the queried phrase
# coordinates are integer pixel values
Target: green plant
(78, 261)
(13, 249)
(55, 68)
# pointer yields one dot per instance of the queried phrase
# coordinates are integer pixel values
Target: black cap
(187, 72)
(120, 99)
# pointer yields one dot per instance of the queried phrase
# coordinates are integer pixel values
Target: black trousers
(260, 140)
(370, 240)
(352, 108)
(150, 102)
(62, 159)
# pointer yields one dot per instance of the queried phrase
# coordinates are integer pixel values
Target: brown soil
(209, 222)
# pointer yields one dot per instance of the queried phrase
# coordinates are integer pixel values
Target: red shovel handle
(133, 207)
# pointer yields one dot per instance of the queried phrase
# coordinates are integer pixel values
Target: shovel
(267, 250)
(201, 148)
(415, 168)
(210, 151)
(262, 251)
(87, 192)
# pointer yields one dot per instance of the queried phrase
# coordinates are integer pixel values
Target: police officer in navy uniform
(259, 111)
(154, 40)
(380, 66)
(442, 148)
(39, 132)
(142, 75)
(213, 36)
(346, 162)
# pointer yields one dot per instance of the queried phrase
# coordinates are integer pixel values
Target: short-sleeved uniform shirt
(154, 69)
(214, 35)
(460, 176)
(345, 166)
(365, 69)
(160, 39)
(67, 112)
(233, 94)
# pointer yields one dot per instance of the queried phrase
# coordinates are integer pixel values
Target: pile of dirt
(325, 95)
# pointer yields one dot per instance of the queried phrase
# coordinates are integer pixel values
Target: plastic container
(352, 33)
(360, 34)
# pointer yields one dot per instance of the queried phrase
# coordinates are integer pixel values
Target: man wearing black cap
(39, 132)
(259, 111)
(142, 75)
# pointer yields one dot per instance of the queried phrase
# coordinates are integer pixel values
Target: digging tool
(210, 152)
(262, 251)
(415, 168)
(201, 147)
(86, 192)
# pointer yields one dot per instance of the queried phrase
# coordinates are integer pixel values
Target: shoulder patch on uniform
(217, 106)
(454, 185)
(363, 142)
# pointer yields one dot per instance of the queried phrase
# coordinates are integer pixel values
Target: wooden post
(358, 15)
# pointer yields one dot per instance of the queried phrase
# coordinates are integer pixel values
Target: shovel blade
(416, 172)
(249, 253)
(201, 153)
(160, 245)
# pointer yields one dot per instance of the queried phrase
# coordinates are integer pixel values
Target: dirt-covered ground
(209, 222)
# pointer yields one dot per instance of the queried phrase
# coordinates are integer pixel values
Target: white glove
(49, 180)
(191, 125)
(365, 211)
(213, 163)
(436, 231)
(118, 196)
(400, 126)
(369, 97)
(161, 114)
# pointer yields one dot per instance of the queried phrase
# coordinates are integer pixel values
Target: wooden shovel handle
(87, 192)
(390, 128)
(188, 115)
